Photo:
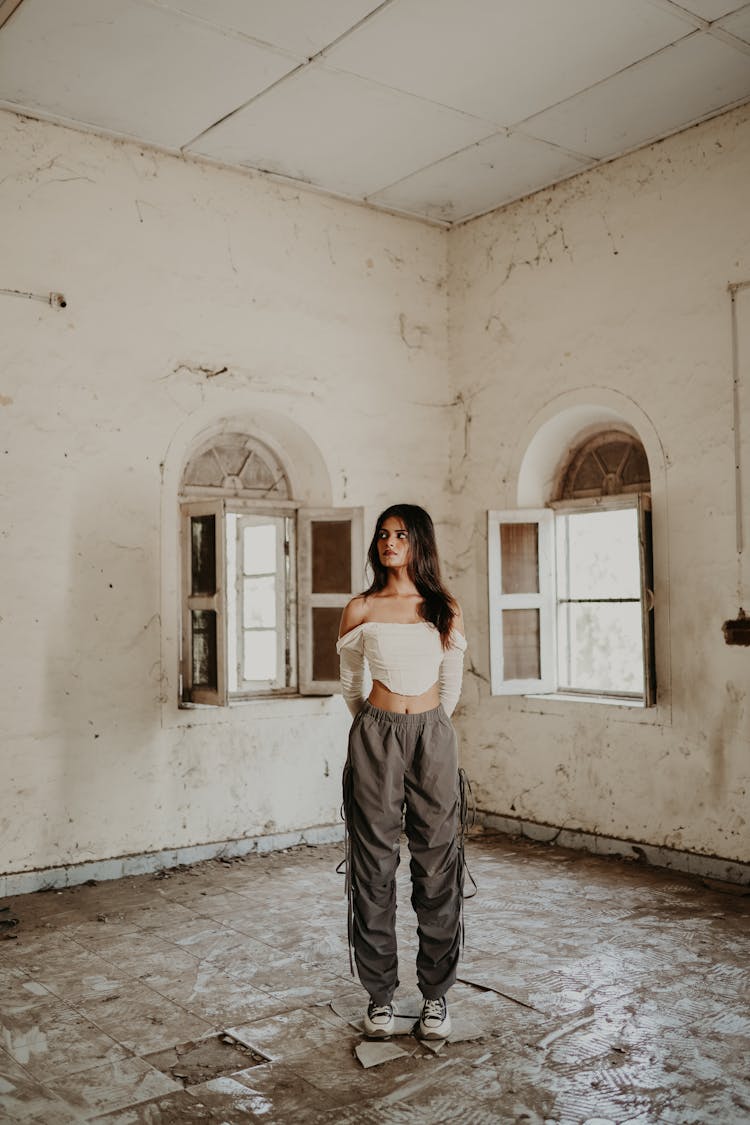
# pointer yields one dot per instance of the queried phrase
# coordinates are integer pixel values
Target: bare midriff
(386, 700)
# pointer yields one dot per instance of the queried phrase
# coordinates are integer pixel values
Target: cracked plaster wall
(611, 290)
(194, 294)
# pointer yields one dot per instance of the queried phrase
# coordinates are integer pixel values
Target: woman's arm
(452, 666)
(351, 655)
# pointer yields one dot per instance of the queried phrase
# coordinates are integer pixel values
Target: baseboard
(55, 878)
(692, 863)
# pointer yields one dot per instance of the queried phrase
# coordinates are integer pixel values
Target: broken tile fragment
(372, 1052)
(464, 1030)
(348, 1010)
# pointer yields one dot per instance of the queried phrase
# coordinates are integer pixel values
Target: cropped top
(407, 658)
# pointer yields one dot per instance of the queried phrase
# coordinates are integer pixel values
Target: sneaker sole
(379, 1032)
(441, 1033)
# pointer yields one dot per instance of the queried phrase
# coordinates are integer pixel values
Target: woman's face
(393, 543)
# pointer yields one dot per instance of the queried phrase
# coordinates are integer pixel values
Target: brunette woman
(402, 759)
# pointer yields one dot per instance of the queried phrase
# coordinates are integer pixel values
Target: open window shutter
(645, 545)
(330, 558)
(204, 646)
(522, 602)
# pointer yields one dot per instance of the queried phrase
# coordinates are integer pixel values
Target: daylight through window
(571, 586)
(254, 621)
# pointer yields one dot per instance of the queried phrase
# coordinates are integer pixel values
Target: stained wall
(390, 360)
(605, 299)
(194, 294)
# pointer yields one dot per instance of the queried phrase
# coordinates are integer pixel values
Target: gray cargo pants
(398, 761)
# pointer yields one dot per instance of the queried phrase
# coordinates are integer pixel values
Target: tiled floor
(591, 991)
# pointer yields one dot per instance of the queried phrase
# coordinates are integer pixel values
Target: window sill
(238, 712)
(620, 708)
(582, 697)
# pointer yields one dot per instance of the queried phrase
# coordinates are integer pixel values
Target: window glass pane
(519, 555)
(204, 648)
(612, 455)
(331, 557)
(203, 554)
(589, 476)
(600, 647)
(260, 655)
(259, 603)
(259, 548)
(234, 462)
(521, 651)
(602, 555)
(325, 623)
(636, 469)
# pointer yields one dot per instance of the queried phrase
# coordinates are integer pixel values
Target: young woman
(403, 756)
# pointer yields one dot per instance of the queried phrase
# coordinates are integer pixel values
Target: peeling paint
(200, 369)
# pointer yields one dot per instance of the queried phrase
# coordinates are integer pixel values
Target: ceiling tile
(408, 109)
(129, 67)
(709, 9)
(503, 62)
(300, 26)
(339, 132)
(495, 171)
(684, 83)
(738, 24)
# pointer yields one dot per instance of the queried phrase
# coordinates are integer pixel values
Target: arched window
(237, 464)
(571, 586)
(264, 578)
(607, 464)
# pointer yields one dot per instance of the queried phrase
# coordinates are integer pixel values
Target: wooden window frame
(546, 599)
(214, 602)
(542, 600)
(300, 598)
(309, 600)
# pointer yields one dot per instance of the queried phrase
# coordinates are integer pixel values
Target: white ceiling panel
(339, 132)
(709, 9)
(129, 67)
(738, 24)
(440, 108)
(652, 99)
(504, 61)
(300, 26)
(488, 174)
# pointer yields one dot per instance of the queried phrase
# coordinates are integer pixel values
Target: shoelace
(377, 1010)
(433, 1010)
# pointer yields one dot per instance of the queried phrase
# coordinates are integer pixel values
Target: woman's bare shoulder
(355, 613)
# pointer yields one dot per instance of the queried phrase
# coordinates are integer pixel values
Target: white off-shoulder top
(407, 658)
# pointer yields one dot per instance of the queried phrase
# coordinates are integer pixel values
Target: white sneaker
(435, 1022)
(380, 1021)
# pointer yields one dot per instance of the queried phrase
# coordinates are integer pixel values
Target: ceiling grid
(437, 109)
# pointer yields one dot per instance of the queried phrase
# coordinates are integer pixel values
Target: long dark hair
(438, 606)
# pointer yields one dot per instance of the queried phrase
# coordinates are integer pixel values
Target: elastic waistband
(398, 719)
